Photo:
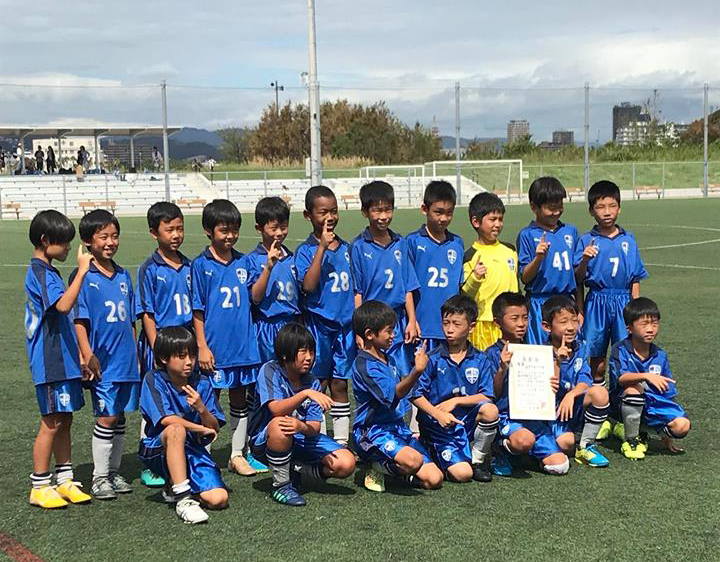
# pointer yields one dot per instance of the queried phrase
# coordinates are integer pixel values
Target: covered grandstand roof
(85, 131)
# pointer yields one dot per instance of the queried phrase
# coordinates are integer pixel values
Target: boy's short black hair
(638, 308)
(373, 316)
(603, 188)
(174, 340)
(315, 192)
(546, 190)
(439, 190)
(220, 211)
(460, 304)
(271, 209)
(376, 192)
(555, 305)
(53, 225)
(507, 299)
(484, 204)
(162, 211)
(291, 338)
(95, 221)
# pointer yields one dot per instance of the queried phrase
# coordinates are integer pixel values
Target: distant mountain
(191, 135)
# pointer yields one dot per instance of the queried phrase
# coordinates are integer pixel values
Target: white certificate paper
(531, 368)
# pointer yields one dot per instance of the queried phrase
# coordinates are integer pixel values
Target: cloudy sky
(514, 60)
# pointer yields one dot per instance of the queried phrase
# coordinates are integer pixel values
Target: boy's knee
(217, 498)
(175, 432)
(566, 441)
(341, 463)
(679, 427)
(338, 386)
(488, 412)
(598, 395)
(460, 472)
(522, 441)
(633, 389)
(409, 460)
(557, 464)
(109, 421)
(431, 476)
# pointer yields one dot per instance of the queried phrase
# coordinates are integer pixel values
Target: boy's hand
(411, 332)
(83, 259)
(563, 352)
(447, 405)
(208, 432)
(321, 399)
(327, 237)
(565, 409)
(479, 271)
(274, 253)
(446, 419)
(289, 425)
(421, 358)
(555, 383)
(658, 381)
(590, 251)
(206, 359)
(93, 368)
(505, 357)
(193, 399)
(542, 248)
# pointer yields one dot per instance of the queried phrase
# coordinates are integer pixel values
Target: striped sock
(594, 418)
(279, 462)
(238, 426)
(340, 414)
(483, 437)
(118, 445)
(631, 408)
(63, 473)
(182, 489)
(102, 444)
(41, 479)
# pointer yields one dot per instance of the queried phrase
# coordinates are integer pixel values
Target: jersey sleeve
(255, 269)
(154, 402)
(146, 291)
(639, 271)
(131, 292)
(381, 385)
(422, 386)
(409, 275)
(584, 374)
(314, 412)
(198, 285)
(487, 378)
(80, 310)
(619, 365)
(206, 392)
(470, 284)
(268, 387)
(52, 289)
(525, 249)
(356, 268)
(302, 260)
(580, 246)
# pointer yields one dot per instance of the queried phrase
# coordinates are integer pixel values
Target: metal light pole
(314, 100)
(705, 140)
(586, 175)
(166, 151)
(277, 96)
(458, 179)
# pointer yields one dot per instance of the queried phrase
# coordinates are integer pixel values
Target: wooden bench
(349, 198)
(574, 192)
(192, 203)
(712, 187)
(15, 207)
(92, 205)
(649, 190)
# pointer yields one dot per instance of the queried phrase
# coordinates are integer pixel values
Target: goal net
(502, 177)
(408, 181)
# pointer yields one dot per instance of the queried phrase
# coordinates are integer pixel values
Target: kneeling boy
(383, 439)
(458, 420)
(182, 416)
(285, 426)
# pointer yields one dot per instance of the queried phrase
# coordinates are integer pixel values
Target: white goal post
(496, 176)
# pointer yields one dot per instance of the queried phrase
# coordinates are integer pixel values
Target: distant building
(70, 147)
(435, 130)
(625, 114)
(563, 138)
(517, 129)
(644, 132)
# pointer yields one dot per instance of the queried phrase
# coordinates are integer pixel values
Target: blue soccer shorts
(334, 348)
(535, 333)
(233, 377)
(114, 398)
(404, 354)
(546, 434)
(451, 445)
(604, 322)
(660, 411)
(305, 450)
(60, 397)
(267, 330)
(202, 471)
(382, 442)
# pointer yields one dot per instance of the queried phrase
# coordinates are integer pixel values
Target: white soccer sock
(238, 425)
(414, 425)
(118, 447)
(340, 414)
(181, 489)
(63, 473)
(143, 423)
(482, 440)
(323, 425)
(102, 445)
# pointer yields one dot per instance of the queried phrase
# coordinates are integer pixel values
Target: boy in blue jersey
(642, 385)
(436, 256)
(227, 342)
(608, 263)
(285, 426)
(53, 357)
(545, 252)
(322, 264)
(273, 282)
(581, 406)
(105, 328)
(383, 440)
(163, 291)
(182, 417)
(458, 420)
(517, 437)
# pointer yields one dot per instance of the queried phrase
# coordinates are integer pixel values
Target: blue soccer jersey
(574, 370)
(221, 292)
(374, 387)
(618, 264)
(382, 273)
(164, 292)
(556, 275)
(444, 379)
(282, 293)
(49, 335)
(334, 297)
(438, 268)
(107, 304)
(273, 384)
(493, 356)
(623, 359)
(159, 398)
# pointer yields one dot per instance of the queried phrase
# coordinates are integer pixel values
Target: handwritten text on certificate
(531, 397)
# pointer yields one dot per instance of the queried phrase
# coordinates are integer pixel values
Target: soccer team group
(420, 326)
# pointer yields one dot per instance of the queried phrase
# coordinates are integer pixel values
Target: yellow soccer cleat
(71, 491)
(374, 480)
(46, 497)
(633, 450)
(619, 431)
(605, 431)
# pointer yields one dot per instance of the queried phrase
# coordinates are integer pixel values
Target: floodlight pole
(314, 100)
(705, 140)
(166, 155)
(586, 175)
(132, 150)
(458, 180)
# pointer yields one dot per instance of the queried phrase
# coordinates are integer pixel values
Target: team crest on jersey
(569, 240)
(625, 247)
(306, 403)
(189, 283)
(578, 364)
(655, 369)
(397, 255)
(511, 264)
(293, 271)
(472, 374)
(217, 376)
(394, 370)
(64, 398)
(452, 256)
(390, 446)
(101, 405)
(124, 289)
(446, 455)
(347, 257)
(241, 274)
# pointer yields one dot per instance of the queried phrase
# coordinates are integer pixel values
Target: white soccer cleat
(190, 511)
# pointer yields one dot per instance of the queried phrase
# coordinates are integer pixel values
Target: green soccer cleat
(591, 457)
(605, 430)
(374, 480)
(151, 480)
(633, 450)
(619, 431)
